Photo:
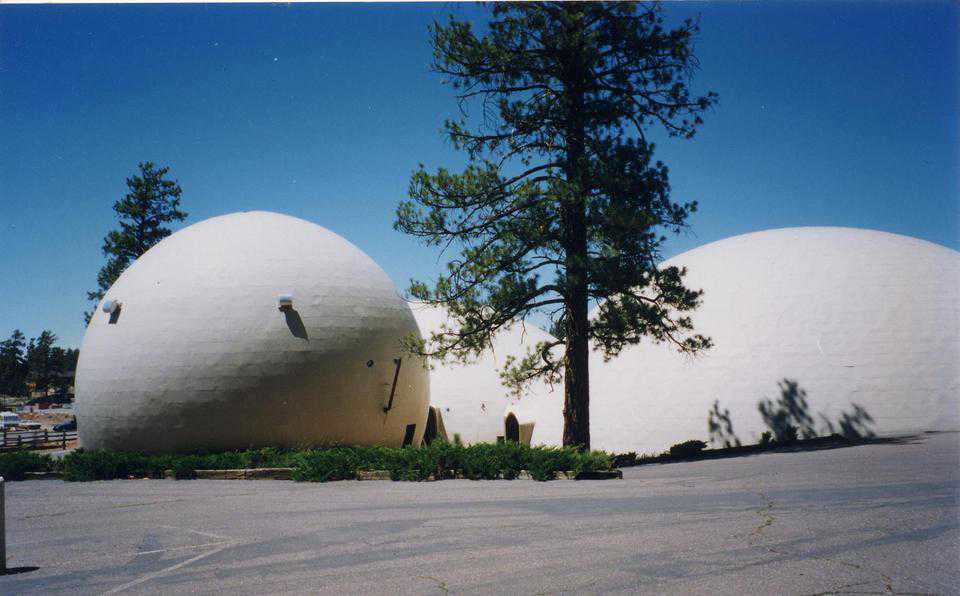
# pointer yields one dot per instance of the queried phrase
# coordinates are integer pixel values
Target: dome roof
(470, 398)
(855, 318)
(199, 355)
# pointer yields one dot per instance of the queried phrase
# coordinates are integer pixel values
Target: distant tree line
(38, 365)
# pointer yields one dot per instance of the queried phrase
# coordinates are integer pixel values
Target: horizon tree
(64, 369)
(41, 357)
(561, 205)
(13, 365)
(151, 201)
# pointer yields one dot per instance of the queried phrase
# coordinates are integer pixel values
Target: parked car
(30, 426)
(8, 420)
(66, 426)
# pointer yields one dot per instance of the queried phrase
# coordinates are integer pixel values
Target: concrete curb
(42, 476)
(373, 475)
(600, 475)
(363, 475)
(245, 474)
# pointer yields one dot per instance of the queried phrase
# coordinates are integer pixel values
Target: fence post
(64, 439)
(3, 528)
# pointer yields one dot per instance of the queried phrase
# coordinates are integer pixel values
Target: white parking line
(155, 574)
(222, 543)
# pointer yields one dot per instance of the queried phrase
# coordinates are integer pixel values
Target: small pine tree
(151, 202)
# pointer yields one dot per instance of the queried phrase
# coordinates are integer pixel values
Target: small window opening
(115, 315)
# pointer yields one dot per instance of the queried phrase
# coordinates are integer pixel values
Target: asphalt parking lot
(879, 518)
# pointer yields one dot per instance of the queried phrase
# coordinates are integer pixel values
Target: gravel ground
(880, 518)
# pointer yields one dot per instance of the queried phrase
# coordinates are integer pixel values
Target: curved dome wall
(470, 398)
(854, 317)
(200, 356)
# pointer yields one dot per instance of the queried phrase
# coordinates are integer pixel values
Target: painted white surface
(200, 355)
(854, 316)
(470, 397)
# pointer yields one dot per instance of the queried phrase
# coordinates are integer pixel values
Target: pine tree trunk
(576, 380)
(576, 374)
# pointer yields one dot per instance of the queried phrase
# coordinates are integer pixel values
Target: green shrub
(82, 465)
(787, 434)
(481, 461)
(594, 461)
(14, 465)
(544, 463)
(687, 449)
(267, 457)
(620, 460)
(323, 465)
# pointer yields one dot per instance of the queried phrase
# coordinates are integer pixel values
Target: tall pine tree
(562, 205)
(151, 202)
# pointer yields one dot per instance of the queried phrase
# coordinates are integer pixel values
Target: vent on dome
(112, 307)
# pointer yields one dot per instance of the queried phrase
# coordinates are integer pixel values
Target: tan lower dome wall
(200, 356)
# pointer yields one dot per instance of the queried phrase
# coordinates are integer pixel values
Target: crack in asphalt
(768, 519)
(767, 516)
(441, 585)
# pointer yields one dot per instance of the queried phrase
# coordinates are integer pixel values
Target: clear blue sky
(830, 114)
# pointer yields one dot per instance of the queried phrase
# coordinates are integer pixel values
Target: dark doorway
(512, 428)
(408, 436)
(430, 433)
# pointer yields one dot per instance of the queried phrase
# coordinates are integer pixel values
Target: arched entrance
(430, 433)
(511, 428)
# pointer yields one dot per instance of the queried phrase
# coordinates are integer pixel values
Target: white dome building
(248, 330)
(470, 401)
(853, 317)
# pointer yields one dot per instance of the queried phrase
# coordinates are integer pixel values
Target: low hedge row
(440, 460)
(696, 450)
(81, 465)
(483, 461)
(14, 465)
